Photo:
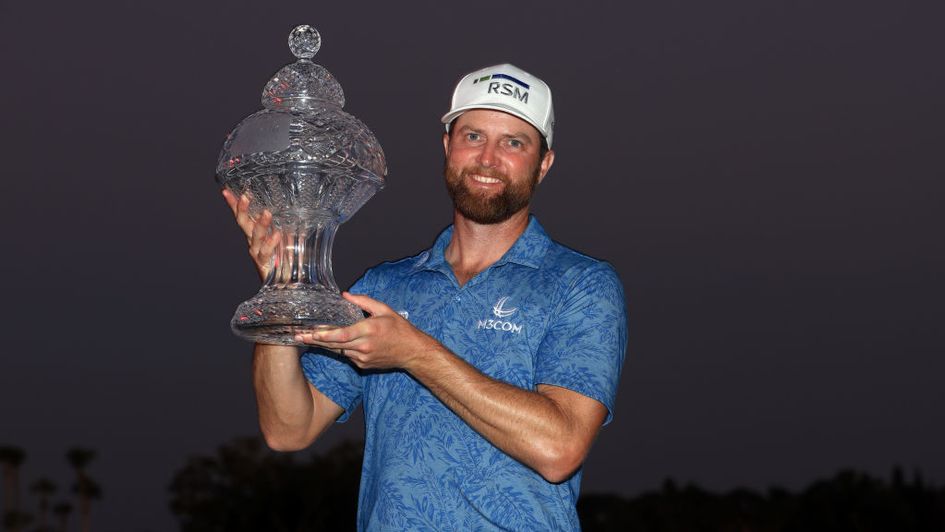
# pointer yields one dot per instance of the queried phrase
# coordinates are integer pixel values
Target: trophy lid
(302, 123)
(303, 85)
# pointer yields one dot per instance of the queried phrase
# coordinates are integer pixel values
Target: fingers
(354, 337)
(355, 348)
(240, 208)
(260, 236)
(338, 337)
(268, 246)
(258, 232)
(248, 223)
(231, 200)
(351, 348)
(263, 243)
(357, 352)
(369, 305)
(243, 218)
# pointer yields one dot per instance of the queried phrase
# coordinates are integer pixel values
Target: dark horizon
(766, 179)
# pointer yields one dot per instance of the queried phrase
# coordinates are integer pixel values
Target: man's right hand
(260, 237)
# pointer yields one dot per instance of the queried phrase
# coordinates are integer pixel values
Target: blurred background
(766, 177)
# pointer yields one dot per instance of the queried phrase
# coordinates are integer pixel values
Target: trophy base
(276, 315)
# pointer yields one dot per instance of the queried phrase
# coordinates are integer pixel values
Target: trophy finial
(304, 41)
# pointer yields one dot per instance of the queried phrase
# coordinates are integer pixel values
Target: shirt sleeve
(586, 341)
(334, 375)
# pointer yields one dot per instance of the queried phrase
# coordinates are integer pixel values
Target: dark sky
(767, 178)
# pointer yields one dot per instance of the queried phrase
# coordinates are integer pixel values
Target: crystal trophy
(312, 165)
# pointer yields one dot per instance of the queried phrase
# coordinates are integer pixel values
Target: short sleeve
(586, 341)
(333, 375)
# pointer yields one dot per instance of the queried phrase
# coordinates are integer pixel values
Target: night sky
(766, 177)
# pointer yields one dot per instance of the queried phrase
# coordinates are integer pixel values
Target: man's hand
(261, 243)
(384, 340)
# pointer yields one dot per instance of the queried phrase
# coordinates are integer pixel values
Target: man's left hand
(382, 341)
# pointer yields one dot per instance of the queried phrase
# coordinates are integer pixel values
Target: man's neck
(474, 247)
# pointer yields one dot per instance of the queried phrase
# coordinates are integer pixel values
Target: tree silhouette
(850, 501)
(855, 501)
(11, 458)
(43, 488)
(62, 510)
(246, 487)
(86, 488)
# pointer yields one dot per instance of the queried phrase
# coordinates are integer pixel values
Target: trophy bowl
(312, 165)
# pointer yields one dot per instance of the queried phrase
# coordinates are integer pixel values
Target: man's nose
(487, 155)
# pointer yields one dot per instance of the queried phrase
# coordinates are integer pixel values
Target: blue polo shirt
(541, 314)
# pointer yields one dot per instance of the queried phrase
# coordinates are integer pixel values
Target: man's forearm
(530, 426)
(283, 397)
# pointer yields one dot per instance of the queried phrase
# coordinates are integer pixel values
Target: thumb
(369, 305)
(231, 200)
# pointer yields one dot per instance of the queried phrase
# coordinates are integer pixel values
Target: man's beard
(493, 209)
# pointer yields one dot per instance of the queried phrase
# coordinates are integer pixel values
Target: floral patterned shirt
(543, 313)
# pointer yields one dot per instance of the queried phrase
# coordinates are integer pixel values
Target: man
(487, 364)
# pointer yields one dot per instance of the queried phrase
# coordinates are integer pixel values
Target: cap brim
(450, 116)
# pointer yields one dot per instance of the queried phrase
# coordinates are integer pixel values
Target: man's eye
(515, 143)
(472, 136)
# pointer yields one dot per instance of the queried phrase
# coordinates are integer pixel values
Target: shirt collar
(528, 250)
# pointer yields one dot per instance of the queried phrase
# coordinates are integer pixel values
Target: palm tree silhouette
(86, 488)
(43, 488)
(62, 511)
(11, 458)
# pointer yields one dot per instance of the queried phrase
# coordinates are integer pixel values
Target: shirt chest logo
(502, 324)
(499, 310)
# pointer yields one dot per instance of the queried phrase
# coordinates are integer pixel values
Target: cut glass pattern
(312, 165)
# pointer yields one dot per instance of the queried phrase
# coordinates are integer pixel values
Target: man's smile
(484, 179)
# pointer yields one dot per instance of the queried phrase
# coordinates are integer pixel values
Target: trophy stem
(300, 293)
(304, 257)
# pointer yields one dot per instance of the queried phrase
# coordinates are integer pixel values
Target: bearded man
(487, 363)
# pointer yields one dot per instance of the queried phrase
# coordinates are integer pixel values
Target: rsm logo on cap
(505, 89)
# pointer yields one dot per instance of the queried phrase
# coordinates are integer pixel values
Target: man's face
(492, 165)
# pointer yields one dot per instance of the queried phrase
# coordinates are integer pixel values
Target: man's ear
(546, 163)
(446, 144)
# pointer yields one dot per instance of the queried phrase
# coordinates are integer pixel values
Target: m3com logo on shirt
(501, 312)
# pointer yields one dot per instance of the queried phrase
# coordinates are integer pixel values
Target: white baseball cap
(505, 88)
